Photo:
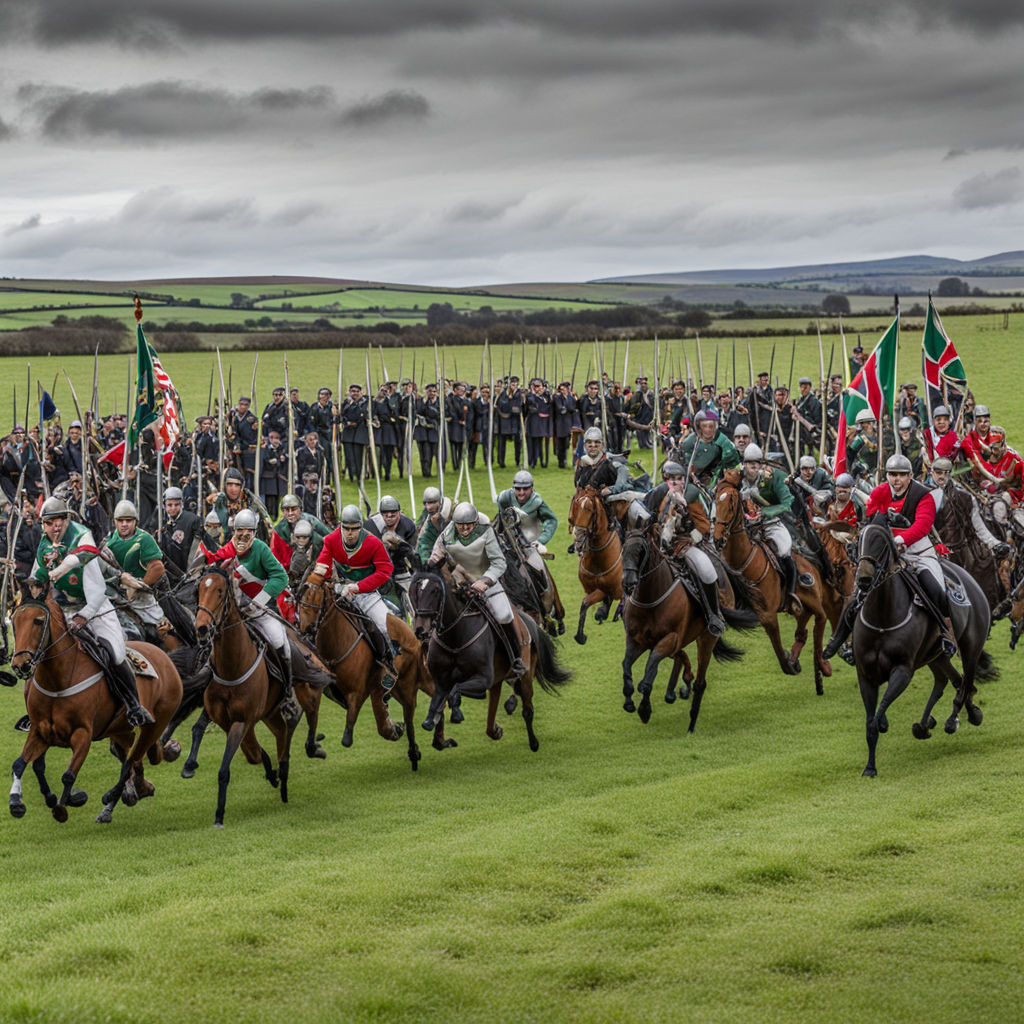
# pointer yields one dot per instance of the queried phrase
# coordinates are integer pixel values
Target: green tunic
(428, 533)
(77, 540)
(284, 529)
(770, 493)
(259, 570)
(534, 508)
(134, 553)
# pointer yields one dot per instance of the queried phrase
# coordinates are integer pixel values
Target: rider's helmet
(742, 430)
(291, 501)
(524, 478)
(212, 520)
(943, 465)
(465, 513)
(593, 434)
(389, 503)
(672, 471)
(351, 516)
(234, 474)
(173, 494)
(303, 528)
(125, 510)
(53, 508)
(807, 462)
(866, 416)
(752, 453)
(940, 410)
(905, 424)
(980, 410)
(844, 480)
(898, 464)
(431, 494)
(245, 519)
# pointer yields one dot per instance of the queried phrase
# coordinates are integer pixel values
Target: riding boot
(940, 602)
(712, 608)
(289, 705)
(844, 627)
(128, 691)
(789, 569)
(516, 665)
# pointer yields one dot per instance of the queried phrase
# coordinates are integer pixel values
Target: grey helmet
(593, 434)
(211, 520)
(53, 508)
(245, 519)
(981, 410)
(234, 474)
(905, 424)
(752, 453)
(303, 528)
(866, 416)
(465, 513)
(807, 462)
(389, 503)
(351, 516)
(844, 480)
(742, 430)
(898, 464)
(940, 410)
(126, 510)
(174, 494)
(700, 417)
(672, 469)
(524, 478)
(431, 494)
(290, 501)
(943, 465)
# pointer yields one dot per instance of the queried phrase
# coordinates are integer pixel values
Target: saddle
(367, 629)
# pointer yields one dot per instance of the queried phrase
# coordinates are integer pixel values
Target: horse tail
(987, 670)
(725, 652)
(549, 673)
(746, 595)
(741, 619)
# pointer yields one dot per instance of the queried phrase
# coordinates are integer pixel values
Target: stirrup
(138, 716)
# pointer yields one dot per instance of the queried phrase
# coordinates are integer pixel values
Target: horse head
(876, 549)
(310, 601)
(637, 553)
(727, 504)
(586, 517)
(30, 622)
(214, 603)
(427, 595)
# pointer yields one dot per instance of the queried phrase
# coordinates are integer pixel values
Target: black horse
(465, 657)
(894, 635)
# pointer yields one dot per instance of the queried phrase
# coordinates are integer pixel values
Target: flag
(47, 410)
(944, 378)
(157, 403)
(147, 397)
(873, 388)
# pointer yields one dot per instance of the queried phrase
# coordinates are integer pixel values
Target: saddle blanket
(140, 665)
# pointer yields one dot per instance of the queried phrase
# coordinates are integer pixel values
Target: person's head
(866, 422)
(906, 428)
(323, 396)
(997, 442)
(74, 431)
(679, 390)
(762, 380)
(836, 383)
(205, 423)
(807, 466)
(982, 419)
(243, 404)
(725, 399)
(431, 500)
(244, 530)
(674, 476)
(513, 383)
(310, 481)
(752, 456)
(293, 395)
(593, 442)
(522, 485)
(173, 497)
(707, 424)
(233, 481)
(355, 392)
(18, 436)
(707, 392)
(302, 535)
(781, 396)
(741, 437)
(844, 488)
(274, 438)
(592, 388)
(390, 511)
(351, 524)
(942, 469)
(897, 472)
(940, 419)
(911, 390)
(563, 387)
(126, 518)
(465, 518)
(485, 392)
(55, 518)
(291, 508)
(431, 391)
(278, 396)
(311, 438)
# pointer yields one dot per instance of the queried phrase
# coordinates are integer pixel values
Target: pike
(575, 363)
(714, 383)
(824, 396)
(733, 391)
(490, 424)
(291, 430)
(28, 397)
(369, 426)
(846, 358)
(383, 368)
(42, 441)
(625, 367)
(85, 456)
(700, 362)
(410, 414)
(124, 456)
(440, 425)
(657, 414)
(522, 403)
(792, 363)
(16, 509)
(259, 429)
(824, 407)
(751, 404)
(601, 392)
(222, 424)
(209, 397)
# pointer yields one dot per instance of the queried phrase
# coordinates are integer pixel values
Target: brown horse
(357, 675)
(67, 709)
(241, 691)
(662, 618)
(834, 537)
(600, 552)
(754, 563)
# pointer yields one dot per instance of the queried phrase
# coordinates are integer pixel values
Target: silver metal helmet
(742, 430)
(905, 424)
(807, 462)
(981, 410)
(211, 520)
(351, 516)
(671, 469)
(303, 528)
(866, 416)
(700, 417)
(431, 494)
(235, 475)
(524, 478)
(943, 465)
(940, 410)
(752, 453)
(844, 480)
(898, 464)
(389, 503)
(53, 508)
(465, 513)
(174, 494)
(126, 510)
(291, 501)
(593, 434)
(245, 519)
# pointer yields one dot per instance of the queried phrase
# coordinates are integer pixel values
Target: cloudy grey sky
(470, 142)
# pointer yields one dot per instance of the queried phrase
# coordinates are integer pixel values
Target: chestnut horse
(241, 691)
(357, 675)
(753, 562)
(600, 552)
(66, 709)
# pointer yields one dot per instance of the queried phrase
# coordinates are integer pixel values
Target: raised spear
(291, 429)
(490, 424)
(369, 427)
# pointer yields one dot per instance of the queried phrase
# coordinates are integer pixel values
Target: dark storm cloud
(985, 190)
(397, 104)
(6, 131)
(58, 22)
(26, 225)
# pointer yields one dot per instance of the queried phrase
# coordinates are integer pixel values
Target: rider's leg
(106, 629)
(501, 609)
(705, 572)
(929, 574)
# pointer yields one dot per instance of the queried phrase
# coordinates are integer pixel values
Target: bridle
(586, 534)
(438, 628)
(36, 655)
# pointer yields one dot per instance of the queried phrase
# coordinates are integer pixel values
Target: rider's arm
(550, 521)
(924, 520)
(496, 564)
(623, 481)
(277, 578)
(382, 566)
(94, 589)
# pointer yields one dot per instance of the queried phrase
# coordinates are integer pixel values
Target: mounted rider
(1003, 472)
(182, 530)
(954, 502)
(141, 562)
(261, 577)
(361, 566)
(437, 511)
(233, 499)
(811, 483)
(66, 557)
(536, 520)
(849, 503)
(471, 545)
(609, 477)
(399, 535)
(916, 503)
(684, 526)
(940, 440)
(706, 452)
(281, 538)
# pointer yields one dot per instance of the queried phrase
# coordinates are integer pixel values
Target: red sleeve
(222, 554)
(327, 552)
(381, 564)
(948, 444)
(279, 549)
(924, 520)
(879, 500)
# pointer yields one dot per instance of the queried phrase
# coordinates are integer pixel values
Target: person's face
(311, 485)
(355, 394)
(74, 433)
(173, 507)
(740, 441)
(762, 380)
(868, 427)
(323, 398)
(678, 391)
(751, 470)
(676, 484)
(54, 528)
(278, 397)
(805, 389)
(465, 529)
(807, 472)
(706, 394)
(460, 390)
(592, 390)
(523, 494)
(940, 476)
(485, 392)
(311, 439)
(725, 401)
(390, 519)
(898, 481)
(998, 445)
(708, 429)
(18, 436)
(593, 447)
(843, 494)
(125, 526)
(432, 507)
(780, 397)
(294, 394)
(941, 423)
(350, 533)
(293, 513)
(243, 540)
(981, 423)
(905, 434)
(232, 488)
(431, 392)
(243, 405)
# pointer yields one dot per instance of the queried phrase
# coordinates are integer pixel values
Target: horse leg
(283, 731)
(494, 730)
(113, 794)
(526, 692)
(80, 742)
(234, 739)
(771, 627)
(387, 727)
(633, 651)
(953, 722)
(601, 615)
(39, 767)
(799, 639)
(591, 597)
(684, 690)
(619, 611)
(922, 729)
(673, 679)
(869, 695)
(34, 748)
(455, 704)
(198, 731)
(705, 645)
(662, 649)
(821, 666)
(309, 700)
(353, 702)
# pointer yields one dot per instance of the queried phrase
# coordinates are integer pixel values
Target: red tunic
(369, 566)
(881, 500)
(847, 514)
(941, 446)
(280, 549)
(971, 445)
(1011, 466)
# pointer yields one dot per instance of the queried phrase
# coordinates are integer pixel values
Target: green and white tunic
(133, 554)
(480, 557)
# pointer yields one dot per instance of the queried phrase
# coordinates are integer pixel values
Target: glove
(1001, 551)
(129, 581)
(244, 602)
(696, 536)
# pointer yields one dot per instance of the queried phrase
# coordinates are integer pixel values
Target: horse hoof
(18, 810)
(107, 798)
(511, 704)
(883, 723)
(105, 817)
(273, 779)
(78, 798)
(316, 752)
(534, 744)
(172, 750)
(561, 628)
(188, 770)
(868, 773)
(51, 800)
(974, 715)
(580, 639)
(320, 737)
(931, 722)
(952, 724)
(346, 738)
(920, 732)
(629, 706)
(498, 732)
(398, 728)
(60, 813)
(826, 669)
(644, 711)
(129, 797)
(218, 824)
(796, 666)
(428, 724)
(670, 696)
(457, 717)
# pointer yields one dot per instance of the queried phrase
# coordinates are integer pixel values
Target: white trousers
(775, 531)
(498, 602)
(534, 560)
(701, 564)
(927, 561)
(272, 630)
(372, 604)
(105, 626)
(147, 608)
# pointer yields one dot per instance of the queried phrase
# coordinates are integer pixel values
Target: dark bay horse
(69, 705)
(241, 691)
(662, 617)
(357, 675)
(893, 637)
(465, 657)
(751, 559)
(599, 549)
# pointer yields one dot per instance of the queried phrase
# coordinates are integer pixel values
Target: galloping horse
(966, 549)
(66, 709)
(894, 636)
(357, 675)
(463, 654)
(752, 561)
(662, 618)
(242, 691)
(600, 552)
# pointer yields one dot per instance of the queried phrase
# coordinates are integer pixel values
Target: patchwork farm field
(622, 873)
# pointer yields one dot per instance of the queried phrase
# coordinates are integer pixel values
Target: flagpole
(895, 386)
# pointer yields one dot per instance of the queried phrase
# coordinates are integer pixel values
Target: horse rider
(261, 577)
(1003, 473)
(863, 449)
(849, 503)
(399, 536)
(707, 451)
(609, 477)
(536, 519)
(142, 566)
(235, 497)
(764, 487)
(67, 558)
(975, 445)
(471, 544)
(809, 482)
(953, 500)
(941, 441)
(913, 500)
(437, 511)
(910, 444)
(361, 567)
(685, 525)
(282, 537)
(182, 530)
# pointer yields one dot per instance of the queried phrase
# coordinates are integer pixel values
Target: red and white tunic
(918, 505)
(941, 446)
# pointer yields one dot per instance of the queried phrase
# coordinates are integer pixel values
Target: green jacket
(78, 542)
(535, 507)
(770, 493)
(134, 553)
(284, 529)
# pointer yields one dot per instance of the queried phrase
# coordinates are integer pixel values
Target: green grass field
(622, 873)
